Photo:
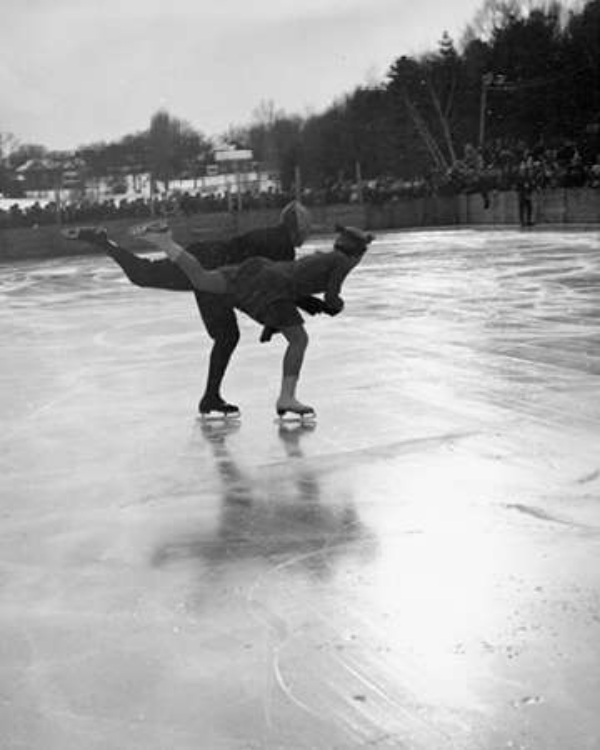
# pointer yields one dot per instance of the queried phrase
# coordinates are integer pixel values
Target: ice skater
(278, 243)
(268, 291)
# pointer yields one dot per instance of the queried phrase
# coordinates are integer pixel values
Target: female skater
(266, 290)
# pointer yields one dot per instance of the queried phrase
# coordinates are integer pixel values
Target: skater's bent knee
(296, 336)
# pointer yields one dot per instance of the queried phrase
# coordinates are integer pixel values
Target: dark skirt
(261, 290)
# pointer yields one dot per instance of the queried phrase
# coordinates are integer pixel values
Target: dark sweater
(269, 242)
(259, 281)
(318, 273)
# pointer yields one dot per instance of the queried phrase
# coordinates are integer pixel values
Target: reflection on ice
(286, 521)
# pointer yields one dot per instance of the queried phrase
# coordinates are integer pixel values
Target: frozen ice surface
(417, 570)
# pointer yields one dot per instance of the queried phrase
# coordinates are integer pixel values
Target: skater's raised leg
(143, 272)
(293, 359)
(203, 280)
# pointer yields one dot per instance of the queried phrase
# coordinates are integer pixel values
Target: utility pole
(297, 183)
(238, 184)
(486, 80)
(359, 182)
(57, 196)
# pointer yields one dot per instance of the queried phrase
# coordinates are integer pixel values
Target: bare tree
(8, 143)
(173, 145)
(494, 14)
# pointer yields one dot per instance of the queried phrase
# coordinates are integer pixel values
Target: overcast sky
(74, 72)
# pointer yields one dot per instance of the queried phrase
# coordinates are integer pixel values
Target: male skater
(217, 312)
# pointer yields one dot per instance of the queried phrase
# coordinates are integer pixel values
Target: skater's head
(352, 241)
(296, 219)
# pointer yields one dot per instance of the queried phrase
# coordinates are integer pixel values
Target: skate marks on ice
(58, 282)
(61, 288)
(532, 299)
(543, 515)
(524, 282)
(329, 463)
(588, 478)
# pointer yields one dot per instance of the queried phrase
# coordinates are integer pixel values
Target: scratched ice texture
(417, 570)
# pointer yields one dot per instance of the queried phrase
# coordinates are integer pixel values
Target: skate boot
(288, 407)
(294, 411)
(149, 229)
(212, 408)
(97, 236)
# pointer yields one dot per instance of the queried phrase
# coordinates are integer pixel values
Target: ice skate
(288, 408)
(217, 410)
(97, 236)
(149, 229)
(294, 411)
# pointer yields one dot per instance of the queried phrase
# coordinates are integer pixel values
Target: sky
(76, 72)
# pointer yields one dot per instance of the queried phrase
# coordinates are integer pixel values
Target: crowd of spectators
(39, 213)
(499, 167)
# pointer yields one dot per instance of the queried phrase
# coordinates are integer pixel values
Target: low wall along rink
(573, 206)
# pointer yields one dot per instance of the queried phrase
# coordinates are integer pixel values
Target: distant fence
(558, 206)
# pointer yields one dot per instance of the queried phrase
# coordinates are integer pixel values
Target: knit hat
(351, 240)
(296, 218)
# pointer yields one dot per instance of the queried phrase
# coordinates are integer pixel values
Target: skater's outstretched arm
(343, 265)
(350, 246)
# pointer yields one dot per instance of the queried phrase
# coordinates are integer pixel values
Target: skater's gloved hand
(267, 334)
(334, 306)
(311, 305)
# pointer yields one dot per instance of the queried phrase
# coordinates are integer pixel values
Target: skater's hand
(334, 306)
(312, 305)
(267, 334)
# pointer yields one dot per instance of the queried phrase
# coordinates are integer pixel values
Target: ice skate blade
(219, 416)
(285, 416)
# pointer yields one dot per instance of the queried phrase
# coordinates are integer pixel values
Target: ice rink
(420, 569)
